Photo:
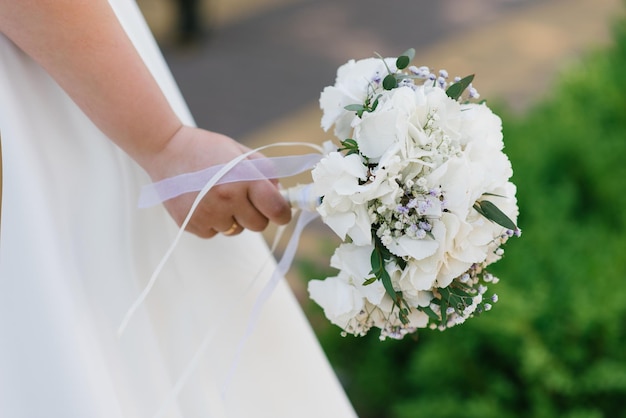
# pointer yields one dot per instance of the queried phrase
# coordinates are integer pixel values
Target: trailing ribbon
(238, 169)
(215, 179)
(282, 267)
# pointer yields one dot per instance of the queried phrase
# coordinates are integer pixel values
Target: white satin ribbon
(246, 170)
(239, 169)
(281, 269)
(212, 181)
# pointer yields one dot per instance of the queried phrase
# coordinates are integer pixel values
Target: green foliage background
(555, 344)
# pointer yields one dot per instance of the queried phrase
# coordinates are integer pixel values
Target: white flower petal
(340, 300)
(412, 247)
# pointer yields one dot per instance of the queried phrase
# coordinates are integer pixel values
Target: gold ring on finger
(234, 227)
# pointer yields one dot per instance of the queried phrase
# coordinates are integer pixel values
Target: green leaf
(403, 314)
(444, 313)
(461, 293)
(375, 104)
(405, 59)
(409, 53)
(350, 143)
(369, 281)
(402, 62)
(354, 107)
(493, 194)
(428, 311)
(376, 261)
(359, 109)
(491, 212)
(390, 82)
(386, 279)
(456, 90)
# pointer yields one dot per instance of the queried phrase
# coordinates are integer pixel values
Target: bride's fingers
(257, 156)
(201, 231)
(249, 217)
(266, 198)
(235, 229)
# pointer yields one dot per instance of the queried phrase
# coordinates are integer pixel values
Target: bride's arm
(81, 44)
(83, 47)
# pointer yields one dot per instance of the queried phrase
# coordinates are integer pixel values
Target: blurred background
(555, 71)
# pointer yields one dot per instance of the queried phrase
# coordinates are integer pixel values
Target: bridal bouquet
(418, 190)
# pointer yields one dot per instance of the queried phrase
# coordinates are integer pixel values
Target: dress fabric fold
(75, 252)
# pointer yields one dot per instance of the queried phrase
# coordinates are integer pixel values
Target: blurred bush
(554, 346)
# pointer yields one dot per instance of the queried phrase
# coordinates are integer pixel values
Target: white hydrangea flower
(352, 86)
(348, 259)
(338, 178)
(340, 300)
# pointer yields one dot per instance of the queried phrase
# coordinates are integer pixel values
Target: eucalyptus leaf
(479, 209)
(461, 293)
(350, 145)
(402, 62)
(375, 103)
(491, 212)
(403, 314)
(428, 311)
(386, 279)
(376, 261)
(384, 251)
(359, 109)
(455, 301)
(390, 82)
(456, 90)
(444, 313)
(355, 107)
(493, 194)
(445, 293)
(409, 53)
(370, 281)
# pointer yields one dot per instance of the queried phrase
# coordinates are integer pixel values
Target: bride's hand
(227, 208)
(83, 67)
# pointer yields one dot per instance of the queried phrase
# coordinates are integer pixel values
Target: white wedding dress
(75, 252)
